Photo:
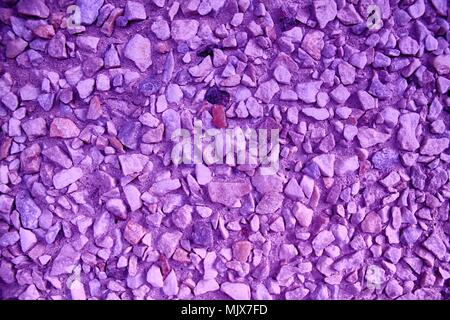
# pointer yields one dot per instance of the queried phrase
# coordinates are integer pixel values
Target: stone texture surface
(331, 182)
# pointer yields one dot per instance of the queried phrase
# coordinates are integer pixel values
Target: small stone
(154, 135)
(270, 202)
(111, 57)
(408, 45)
(135, 11)
(267, 90)
(241, 250)
(154, 277)
(282, 75)
(325, 162)
(417, 9)
(323, 239)
(442, 64)
(366, 101)
(371, 223)
(303, 214)
(316, 113)
(133, 196)
(170, 287)
(184, 30)
(134, 232)
(91, 66)
(85, 88)
(132, 163)
(172, 122)
(313, 43)
(15, 47)
(203, 174)
(129, 134)
(325, 11)
(255, 109)
(202, 234)
(88, 43)
(369, 137)
(432, 147)
(117, 208)
(307, 91)
(33, 8)
(10, 101)
(406, 135)
(205, 286)
(161, 29)
(347, 73)
(390, 180)
(163, 187)
(30, 160)
(345, 166)
(236, 291)
(227, 193)
(77, 290)
(174, 93)
(393, 289)
(89, 10)
(384, 159)
(46, 101)
(28, 92)
(57, 46)
(66, 177)
(63, 128)
(340, 94)
(27, 239)
(139, 50)
(435, 244)
(35, 127)
(168, 242)
(28, 210)
(182, 218)
(348, 15)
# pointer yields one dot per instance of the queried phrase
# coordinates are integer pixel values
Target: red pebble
(219, 117)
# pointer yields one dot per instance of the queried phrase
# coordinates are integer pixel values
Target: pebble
(63, 128)
(168, 242)
(236, 291)
(303, 214)
(184, 29)
(267, 90)
(371, 223)
(307, 91)
(345, 166)
(135, 11)
(66, 177)
(139, 50)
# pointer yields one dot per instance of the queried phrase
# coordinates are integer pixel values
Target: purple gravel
(94, 206)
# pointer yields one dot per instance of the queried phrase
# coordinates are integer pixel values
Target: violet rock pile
(92, 205)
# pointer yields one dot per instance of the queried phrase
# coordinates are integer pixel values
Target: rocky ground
(92, 207)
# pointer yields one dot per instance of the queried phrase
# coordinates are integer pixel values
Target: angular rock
(325, 11)
(168, 242)
(139, 50)
(369, 137)
(236, 291)
(28, 210)
(184, 30)
(66, 177)
(270, 202)
(228, 193)
(63, 128)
